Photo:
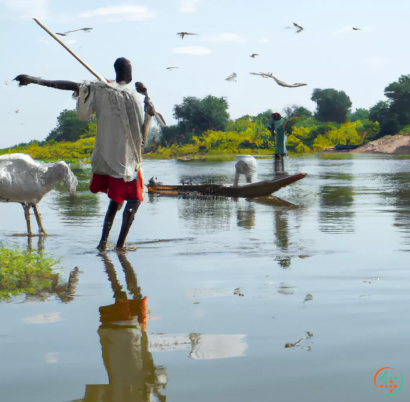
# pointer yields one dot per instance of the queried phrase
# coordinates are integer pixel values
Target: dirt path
(390, 144)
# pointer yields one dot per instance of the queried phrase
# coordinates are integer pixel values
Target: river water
(228, 283)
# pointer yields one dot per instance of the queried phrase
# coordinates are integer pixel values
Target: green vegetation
(204, 131)
(332, 105)
(25, 272)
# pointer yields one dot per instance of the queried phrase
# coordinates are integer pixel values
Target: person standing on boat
(279, 123)
(116, 159)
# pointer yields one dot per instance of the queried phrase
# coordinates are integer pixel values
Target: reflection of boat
(259, 189)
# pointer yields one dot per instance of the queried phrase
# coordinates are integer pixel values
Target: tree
(200, 115)
(399, 95)
(297, 111)
(69, 128)
(332, 105)
(389, 127)
(264, 118)
(359, 114)
(379, 111)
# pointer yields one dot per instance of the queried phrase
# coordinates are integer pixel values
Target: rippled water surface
(228, 283)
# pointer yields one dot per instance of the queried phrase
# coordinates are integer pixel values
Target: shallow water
(227, 289)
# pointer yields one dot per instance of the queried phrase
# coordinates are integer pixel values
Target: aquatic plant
(23, 271)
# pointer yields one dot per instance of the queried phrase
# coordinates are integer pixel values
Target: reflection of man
(132, 374)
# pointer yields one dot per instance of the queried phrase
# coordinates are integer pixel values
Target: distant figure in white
(246, 165)
(26, 181)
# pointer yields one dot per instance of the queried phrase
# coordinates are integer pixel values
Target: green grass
(25, 272)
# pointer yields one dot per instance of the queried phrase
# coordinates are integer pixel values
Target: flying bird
(75, 30)
(26, 181)
(357, 29)
(231, 78)
(254, 55)
(299, 28)
(17, 110)
(279, 82)
(182, 34)
(171, 68)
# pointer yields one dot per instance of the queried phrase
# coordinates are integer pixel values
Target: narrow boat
(186, 159)
(259, 189)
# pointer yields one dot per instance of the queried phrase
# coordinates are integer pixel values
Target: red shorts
(117, 189)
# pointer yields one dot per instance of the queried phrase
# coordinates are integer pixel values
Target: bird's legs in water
(109, 220)
(127, 218)
(27, 216)
(38, 218)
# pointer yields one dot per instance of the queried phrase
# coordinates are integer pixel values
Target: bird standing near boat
(26, 181)
(182, 34)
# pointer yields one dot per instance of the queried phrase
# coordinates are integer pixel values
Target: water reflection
(207, 214)
(201, 346)
(397, 192)
(336, 213)
(38, 286)
(132, 374)
(245, 215)
(281, 218)
(83, 207)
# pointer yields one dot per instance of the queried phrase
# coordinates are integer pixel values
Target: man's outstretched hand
(141, 89)
(23, 79)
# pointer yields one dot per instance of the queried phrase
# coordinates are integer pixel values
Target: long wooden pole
(70, 51)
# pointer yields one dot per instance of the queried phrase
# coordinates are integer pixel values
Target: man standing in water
(116, 159)
(279, 126)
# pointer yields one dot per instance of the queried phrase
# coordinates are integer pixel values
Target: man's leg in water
(127, 218)
(109, 220)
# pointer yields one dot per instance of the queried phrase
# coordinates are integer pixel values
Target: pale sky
(327, 54)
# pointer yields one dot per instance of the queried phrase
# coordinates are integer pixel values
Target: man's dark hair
(123, 70)
(276, 116)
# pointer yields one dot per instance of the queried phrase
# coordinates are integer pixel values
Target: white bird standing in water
(26, 181)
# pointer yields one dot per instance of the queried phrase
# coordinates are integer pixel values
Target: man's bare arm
(64, 85)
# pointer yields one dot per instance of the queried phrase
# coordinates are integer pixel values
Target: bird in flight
(299, 28)
(182, 34)
(357, 29)
(17, 110)
(75, 30)
(279, 82)
(254, 55)
(171, 68)
(231, 78)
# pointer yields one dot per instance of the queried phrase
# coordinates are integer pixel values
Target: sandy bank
(390, 144)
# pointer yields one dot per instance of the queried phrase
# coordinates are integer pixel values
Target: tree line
(196, 117)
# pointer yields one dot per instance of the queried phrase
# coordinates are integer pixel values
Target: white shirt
(117, 151)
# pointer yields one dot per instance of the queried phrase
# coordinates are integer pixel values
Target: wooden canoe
(191, 160)
(259, 189)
